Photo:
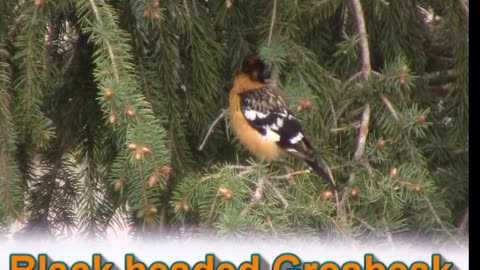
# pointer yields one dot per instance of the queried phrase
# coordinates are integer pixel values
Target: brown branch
(210, 129)
(256, 196)
(385, 3)
(289, 175)
(390, 107)
(347, 127)
(362, 133)
(464, 7)
(440, 77)
(272, 22)
(362, 34)
(186, 7)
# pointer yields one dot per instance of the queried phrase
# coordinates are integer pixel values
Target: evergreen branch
(385, 3)
(289, 175)
(359, 151)
(278, 193)
(390, 107)
(362, 34)
(440, 222)
(187, 9)
(464, 221)
(464, 7)
(18, 21)
(365, 223)
(10, 187)
(108, 43)
(362, 134)
(440, 77)
(210, 128)
(256, 196)
(347, 127)
(272, 23)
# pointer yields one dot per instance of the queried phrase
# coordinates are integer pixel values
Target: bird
(262, 122)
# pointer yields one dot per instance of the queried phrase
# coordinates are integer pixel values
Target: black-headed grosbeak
(262, 122)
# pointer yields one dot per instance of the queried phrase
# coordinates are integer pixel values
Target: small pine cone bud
(132, 146)
(355, 193)
(327, 194)
(394, 172)
(104, 73)
(181, 207)
(418, 188)
(156, 16)
(152, 181)
(420, 119)
(226, 193)
(46, 136)
(118, 186)
(39, 3)
(152, 210)
(229, 3)
(166, 171)
(141, 213)
(108, 93)
(130, 112)
(112, 118)
(138, 154)
(156, 4)
(380, 145)
(145, 14)
(146, 150)
(305, 105)
(403, 74)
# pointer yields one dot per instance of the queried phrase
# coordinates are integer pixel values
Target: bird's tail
(321, 172)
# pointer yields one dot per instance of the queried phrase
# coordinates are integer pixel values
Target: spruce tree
(114, 112)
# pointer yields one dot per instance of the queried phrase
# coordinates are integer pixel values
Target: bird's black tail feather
(321, 172)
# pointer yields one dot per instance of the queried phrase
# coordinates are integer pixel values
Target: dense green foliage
(104, 104)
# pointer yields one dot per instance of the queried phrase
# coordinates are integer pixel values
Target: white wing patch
(280, 122)
(297, 138)
(271, 135)
(252, 115)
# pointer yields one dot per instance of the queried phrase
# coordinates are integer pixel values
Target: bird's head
(254, 67)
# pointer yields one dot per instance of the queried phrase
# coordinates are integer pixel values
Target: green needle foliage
(107, 112)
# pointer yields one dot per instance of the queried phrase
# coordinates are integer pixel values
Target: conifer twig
(384, 2)
(113, 60)
(464, 221)
(278, 193)
(186, 7)
(288, 175)
(362, 133)
(389, 107)
(210, 129)
(464, 7)
(362, 34)
(256, 196)
(272, 22)
(439, 221)
(319, 4)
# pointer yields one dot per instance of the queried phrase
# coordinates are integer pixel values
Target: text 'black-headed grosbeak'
(262, 122)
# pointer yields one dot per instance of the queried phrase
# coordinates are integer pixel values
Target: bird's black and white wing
(268, 113)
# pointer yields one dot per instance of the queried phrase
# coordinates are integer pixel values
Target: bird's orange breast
(248, 136)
